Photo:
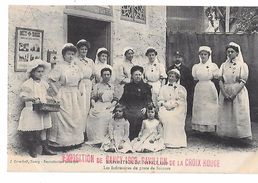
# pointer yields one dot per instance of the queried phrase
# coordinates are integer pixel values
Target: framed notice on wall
(28, 46)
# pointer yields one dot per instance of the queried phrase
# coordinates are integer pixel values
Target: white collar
(178, 65)
(108, 83)
(154, 62)
(233, 61)
(128, 61)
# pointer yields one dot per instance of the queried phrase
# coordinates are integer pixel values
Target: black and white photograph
(23, 46)
(132, 88)
(28, 46)
(24, 57)
(35, 47)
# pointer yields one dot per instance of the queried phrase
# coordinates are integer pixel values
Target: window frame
(134, 19)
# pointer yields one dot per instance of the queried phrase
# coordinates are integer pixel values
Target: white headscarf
(125, 50)
(71, 46)
(177, 72)
(174, 70)
(239, 58)
(207, 49)
(156, 57)
(97, 61)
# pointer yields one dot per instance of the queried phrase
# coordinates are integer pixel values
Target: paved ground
(200, 148)
(206, 143)
(197, 143)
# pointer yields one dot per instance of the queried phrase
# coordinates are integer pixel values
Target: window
(232, 19)
(134, 13)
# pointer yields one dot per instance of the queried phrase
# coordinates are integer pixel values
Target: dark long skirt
(135, 118)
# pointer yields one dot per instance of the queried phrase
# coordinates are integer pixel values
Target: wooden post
(227, 28)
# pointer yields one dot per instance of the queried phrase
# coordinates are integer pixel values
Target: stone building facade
(114, 27)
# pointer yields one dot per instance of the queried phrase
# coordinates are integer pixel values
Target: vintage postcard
(132, 88)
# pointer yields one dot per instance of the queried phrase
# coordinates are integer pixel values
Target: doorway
(98, 33)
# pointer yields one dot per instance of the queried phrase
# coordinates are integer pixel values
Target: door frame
(92, 16)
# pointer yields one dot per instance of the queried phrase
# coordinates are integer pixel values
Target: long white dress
(68, 125)
(153, 72)
(234, 118)
(205, 102)
(99, 116)
(86, 66)
(150, 137)
(33, 120)
(173, 119)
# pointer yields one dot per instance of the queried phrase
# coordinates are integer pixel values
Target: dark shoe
(32, 151)
(246, 142)
(146, 151)
(85, 137)
(130, 151)
(46, 150)
(98, 145)
(111, 150)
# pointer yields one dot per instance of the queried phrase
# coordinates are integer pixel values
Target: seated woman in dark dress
(136, 96)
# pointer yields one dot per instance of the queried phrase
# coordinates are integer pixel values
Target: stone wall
(151, 34)
(47, 18)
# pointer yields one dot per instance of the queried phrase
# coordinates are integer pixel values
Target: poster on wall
(28, 46)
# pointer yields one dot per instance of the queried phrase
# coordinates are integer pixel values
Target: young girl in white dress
(32, 123)
(117, 139)
(150, 138)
